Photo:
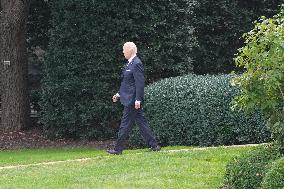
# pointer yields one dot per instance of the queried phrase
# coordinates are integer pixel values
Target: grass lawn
(172, 167)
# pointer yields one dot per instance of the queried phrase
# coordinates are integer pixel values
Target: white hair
(131, 45)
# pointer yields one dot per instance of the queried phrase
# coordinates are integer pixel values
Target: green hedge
(218, 28)
(195, 110)
(248, 170)
(82, 69)
(274, 178)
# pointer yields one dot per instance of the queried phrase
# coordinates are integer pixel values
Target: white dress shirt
(130, 59)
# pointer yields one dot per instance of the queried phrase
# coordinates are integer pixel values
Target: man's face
(127, 52)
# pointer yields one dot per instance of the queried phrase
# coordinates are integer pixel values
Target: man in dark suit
(131, 95)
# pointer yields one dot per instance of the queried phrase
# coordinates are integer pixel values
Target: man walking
(131, 95)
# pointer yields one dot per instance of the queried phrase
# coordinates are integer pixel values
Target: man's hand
(115, 98)
(137, 104)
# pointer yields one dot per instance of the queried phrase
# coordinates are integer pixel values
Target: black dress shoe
(114, 152)
(156, 148)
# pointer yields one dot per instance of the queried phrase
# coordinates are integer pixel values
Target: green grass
(192, 169)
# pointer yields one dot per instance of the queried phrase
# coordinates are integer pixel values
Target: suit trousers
(130, 116)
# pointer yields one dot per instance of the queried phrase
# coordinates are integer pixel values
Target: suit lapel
(128, 64)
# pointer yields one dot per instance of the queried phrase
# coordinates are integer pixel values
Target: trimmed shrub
(195, 110)
(274, 178)
(248, 170)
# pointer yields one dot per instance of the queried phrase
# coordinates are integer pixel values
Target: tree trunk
(15, 108)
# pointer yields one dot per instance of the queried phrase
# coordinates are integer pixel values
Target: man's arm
(139, 84)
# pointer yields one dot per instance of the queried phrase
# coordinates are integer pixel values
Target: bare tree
(15, 108)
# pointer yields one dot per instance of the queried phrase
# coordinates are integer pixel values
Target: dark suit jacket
(133, 82)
